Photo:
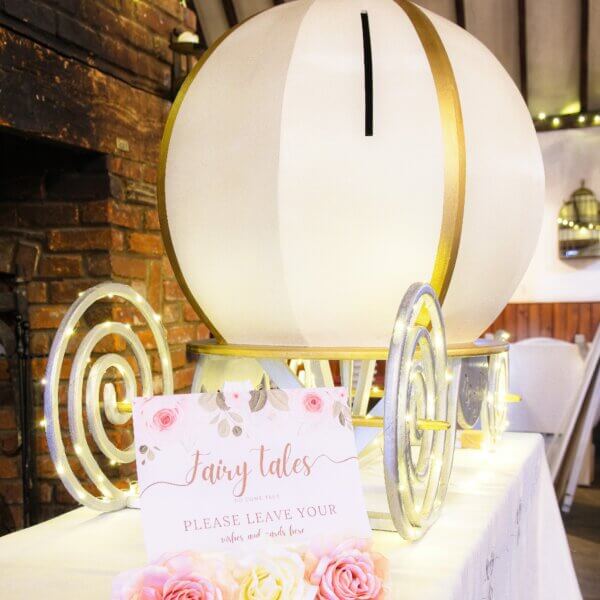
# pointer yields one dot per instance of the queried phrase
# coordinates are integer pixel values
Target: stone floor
(583, 530)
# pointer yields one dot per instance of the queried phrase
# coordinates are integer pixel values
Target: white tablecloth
(500, 537)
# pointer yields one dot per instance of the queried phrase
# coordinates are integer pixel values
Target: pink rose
(177, 576)
(349, 572)
(190, 587)
(165, 418)
(141, 584)
(313, 403)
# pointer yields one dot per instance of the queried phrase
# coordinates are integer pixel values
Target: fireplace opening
(54, 243)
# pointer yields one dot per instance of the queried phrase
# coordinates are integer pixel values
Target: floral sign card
(241, 468)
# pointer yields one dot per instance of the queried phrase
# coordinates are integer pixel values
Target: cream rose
(275, 574)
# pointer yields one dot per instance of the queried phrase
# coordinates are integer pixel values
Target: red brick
(64, 497)
(7, 418)
(128, 266)
(189, 314)
(150, 174)
(147, 339)
(152, 220)
(98, 265)
(39, 343)
(154, 19)
(171, 313)
(12, 491)
(26, 258)
(173, 291)
(183, 378)
(111, 343)
(48, 214)
(67, 291)
(145, 243)
(46, 317)
(61, 266)
(80, 34)
(202, 332)
(32, 12)
(41, 442)
(181, 334)
(110, 212)
(167, 269)
(16, 511)
(139, 287)
(178, 359)
(37, 292)
(154, 284)
(126, 168)
(46, 492)
(126, 313)
(95, 212)
(82, 239)
(118, 240)
(9, 467)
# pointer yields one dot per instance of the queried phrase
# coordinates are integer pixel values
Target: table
(500, 537)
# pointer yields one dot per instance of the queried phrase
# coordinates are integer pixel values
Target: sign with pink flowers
(241, 469)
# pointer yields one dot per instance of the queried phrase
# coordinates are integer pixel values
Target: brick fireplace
(86, 87)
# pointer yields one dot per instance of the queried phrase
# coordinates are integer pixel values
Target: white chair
(559, 383)
(546, 373)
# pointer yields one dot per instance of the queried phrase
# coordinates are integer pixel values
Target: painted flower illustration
(165, 418)
(313, 403)
(165, 422)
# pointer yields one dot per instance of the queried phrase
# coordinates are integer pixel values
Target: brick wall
(83, 109)
(128, 39)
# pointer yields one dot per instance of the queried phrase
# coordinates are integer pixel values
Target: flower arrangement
(349, 571)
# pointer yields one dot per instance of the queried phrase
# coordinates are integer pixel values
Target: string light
(596, 119)
(581, 119)
(43, 381)
(42, 423)
(542, 116)
(555, 122)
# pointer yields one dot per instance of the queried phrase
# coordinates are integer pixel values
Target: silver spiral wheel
(419, 414)
(97, 395)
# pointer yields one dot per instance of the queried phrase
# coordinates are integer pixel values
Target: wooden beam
(522, 16)
(278, 2)
(460, 13)
(230, 13)
(584, 54)
(199, 30)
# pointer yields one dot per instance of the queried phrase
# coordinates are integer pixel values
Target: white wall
(569, 156)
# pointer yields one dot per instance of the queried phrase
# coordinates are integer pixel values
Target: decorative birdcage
(579, 225)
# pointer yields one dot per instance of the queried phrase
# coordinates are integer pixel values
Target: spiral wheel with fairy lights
(85, 383)
(419, 414)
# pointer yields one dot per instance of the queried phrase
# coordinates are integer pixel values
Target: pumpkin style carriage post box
(321, 158)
